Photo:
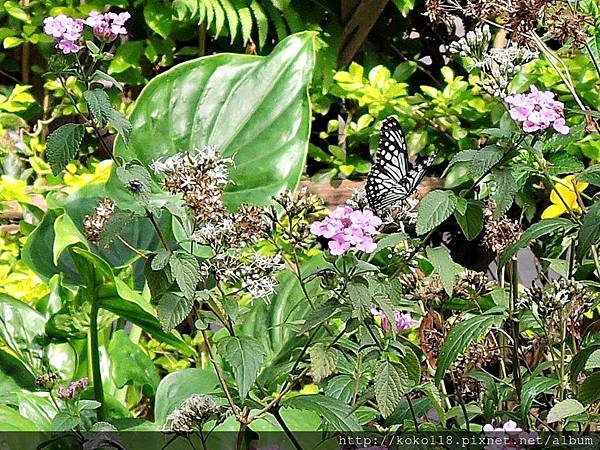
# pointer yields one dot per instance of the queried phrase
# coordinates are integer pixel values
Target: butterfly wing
(392, 178)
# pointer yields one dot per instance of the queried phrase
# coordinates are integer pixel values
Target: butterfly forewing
(392, 178)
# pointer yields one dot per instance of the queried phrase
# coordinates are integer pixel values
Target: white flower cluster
(207, 160)
(474, 43)
(498, 65)
(255, 272)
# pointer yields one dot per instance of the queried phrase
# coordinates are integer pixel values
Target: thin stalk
(412, 412)
(94, 355)
(286, 430)
(514, 326)
(219, 374)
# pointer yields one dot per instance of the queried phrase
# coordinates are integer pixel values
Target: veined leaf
(335, 412)
(564, 409)
(63, 144)
(436, 207)
(245, 356)
(391, 383)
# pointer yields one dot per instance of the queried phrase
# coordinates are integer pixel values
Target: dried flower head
(499, 233)
(559, 303)
(195, 411)
(199, 177)
(93, 225)
(565, 23)
(46, 380)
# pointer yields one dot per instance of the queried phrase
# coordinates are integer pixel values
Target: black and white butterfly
(393, 178)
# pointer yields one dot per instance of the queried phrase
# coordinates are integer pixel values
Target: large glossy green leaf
(253, 108)
(177, 386)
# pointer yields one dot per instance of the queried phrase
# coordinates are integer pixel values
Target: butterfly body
(393, 178)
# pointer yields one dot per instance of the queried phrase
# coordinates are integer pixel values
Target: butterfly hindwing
(392, 178)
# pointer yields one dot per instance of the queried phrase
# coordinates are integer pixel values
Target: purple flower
(511, 436)
(403, 321)
(65, 31)
(348, 229)
(69, 392)
(537, 111)
(107, 26)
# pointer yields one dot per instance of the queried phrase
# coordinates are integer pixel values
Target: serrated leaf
(335, 412)
(63, 144)
(173, 309)
(119, 122)
(319, 315)
(589, 233)
(485, 159)
(589, 391)
(537, 230)
(262, 22)
(114, 226)
(471, 221)
(342, 387)
(564, 409)
(411, 363)
(506, 188)
(444, 266)
(591, 175)
(323, 362)
(186, 272)
(361, 299)
(460, 337)
(391, 383)
(434, 209)
(161, 259)
(390, 240)
(99, 105)
(245, 356)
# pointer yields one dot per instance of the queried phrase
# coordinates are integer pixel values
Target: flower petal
(553, 211)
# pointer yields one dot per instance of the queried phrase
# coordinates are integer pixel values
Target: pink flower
(348, 229)
(510, 436)
(403, 321)
(537, 111)
(65, 31)
(108, 26)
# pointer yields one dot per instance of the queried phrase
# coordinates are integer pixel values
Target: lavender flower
(348, 229)
(403, 321)
(537, 111)
(65, 31)
(71, 391)
(108, 26)
(510, 435)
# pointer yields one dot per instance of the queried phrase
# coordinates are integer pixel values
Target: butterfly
(393, 178)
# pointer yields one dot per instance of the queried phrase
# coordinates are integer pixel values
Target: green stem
(514, 327)
(94, 355)
(286, 429)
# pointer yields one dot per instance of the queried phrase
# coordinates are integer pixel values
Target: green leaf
(593, 362)
(589, 391)
(436, 207)
(564, 409)
(186, 271)
(589, 233)
(391, 383)
(435, 398)
(64, 421)
(136, 179)
(390, 240)
(342, 387)
(62, 145)
(161, 259)
(471, 221)
(591, 175)
(323, 362)
(173, 309)
(506, 188)
(158, 17)
(444, 266)
(335, 412)
(484, 159)
(219, 100)
(178, 386)
(411, 363)
(11, 420)
(129, 365)
(99, 105)
(537, 230)
(115, 226)
(531, 389)
(119, 122)
(360, 298)
(460, 337)
(66, 235)
(245, 356)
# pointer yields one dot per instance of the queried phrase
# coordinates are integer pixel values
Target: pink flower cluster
(348, 229)
(509, 437)
(403, 321)
(108, 26)
(66, 32)
(537, 110)
(69, 393)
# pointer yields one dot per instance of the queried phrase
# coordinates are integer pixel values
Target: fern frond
(231, 11)
(245, 16)
(262, 22)
(275, 16)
